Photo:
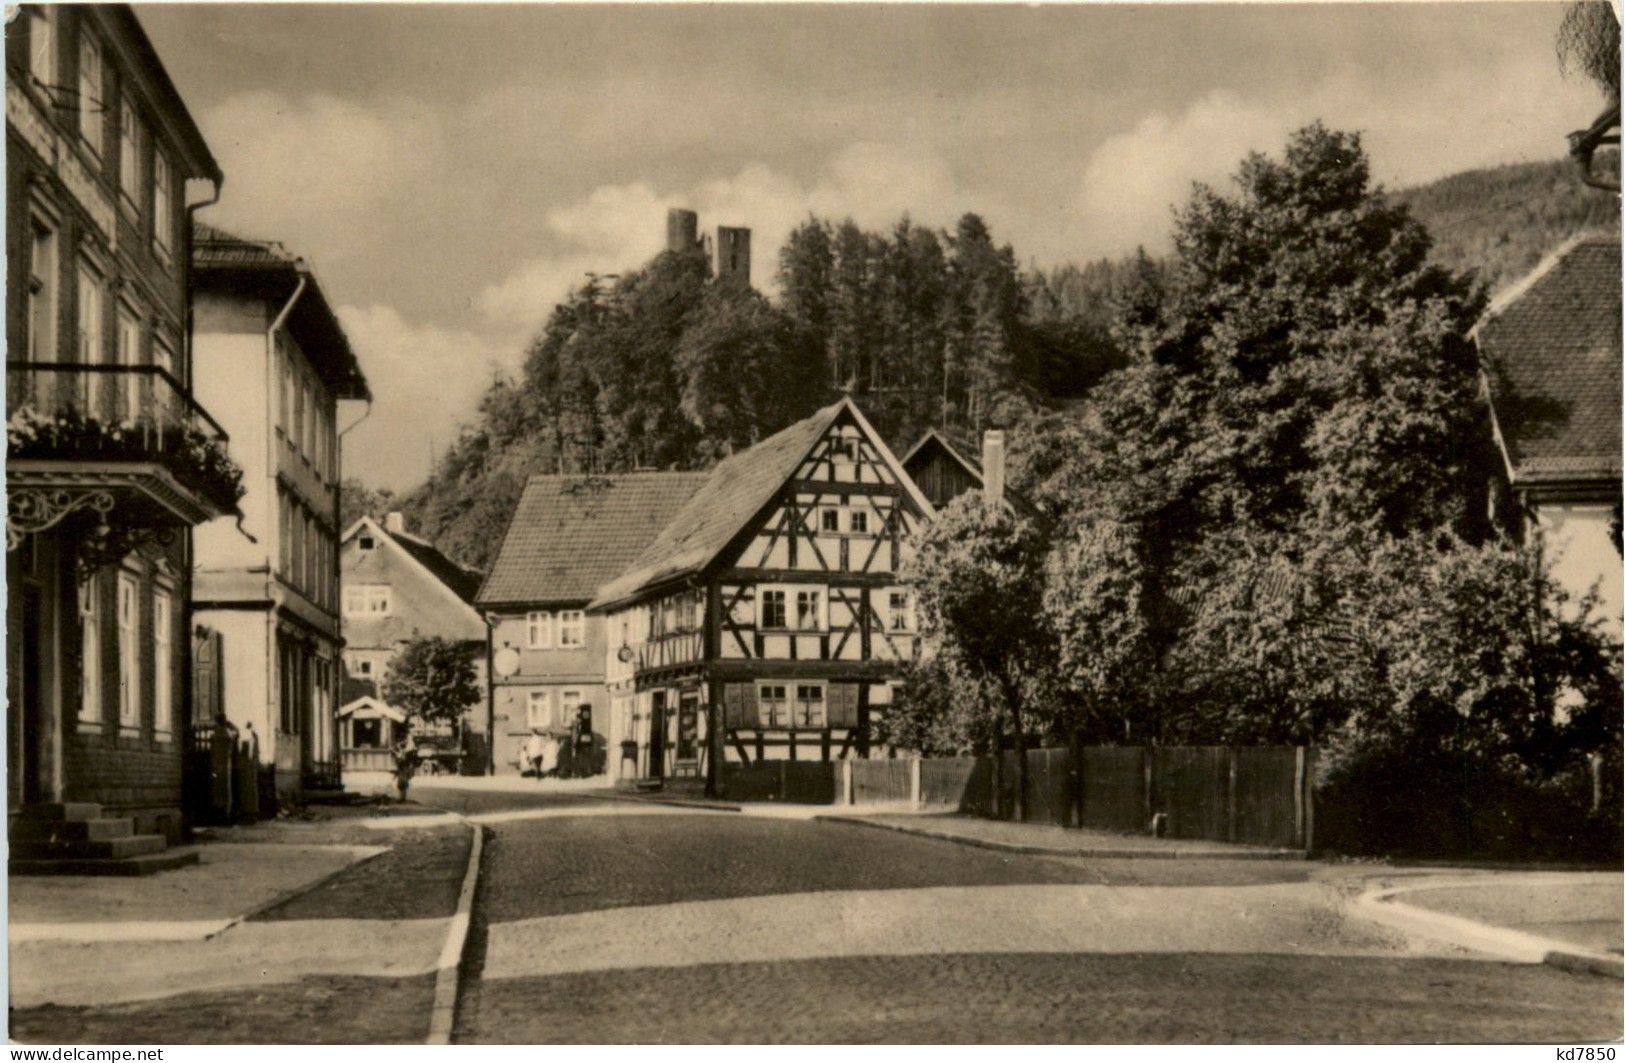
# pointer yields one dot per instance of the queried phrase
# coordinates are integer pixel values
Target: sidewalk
(1571, 919)
(1043, 839)
(282, 921)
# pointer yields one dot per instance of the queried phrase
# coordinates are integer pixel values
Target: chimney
(394, 522)
(682, 230)
(993, 465)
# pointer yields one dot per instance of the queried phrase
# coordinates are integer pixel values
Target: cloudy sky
(451, 170)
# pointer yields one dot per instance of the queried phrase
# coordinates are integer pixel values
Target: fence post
(1074, 782)
(1148, 759)
(1309, 799)
(1230, 799)
(915, 797)
(1299, 781)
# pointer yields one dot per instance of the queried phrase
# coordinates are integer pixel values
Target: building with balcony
(111, 459)
(272, 362)
(569, 536)
(399, 587)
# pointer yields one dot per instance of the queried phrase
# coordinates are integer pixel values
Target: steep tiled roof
(733, 493)
(463, 582)
(1551, 350)
(571, 534)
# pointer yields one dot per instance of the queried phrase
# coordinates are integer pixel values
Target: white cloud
(297, 168)
(618, 227)
(426, 381)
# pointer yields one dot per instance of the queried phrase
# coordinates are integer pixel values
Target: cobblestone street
(622, 925)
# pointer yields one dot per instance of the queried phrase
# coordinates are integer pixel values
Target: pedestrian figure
(535, 752)
(406, 763)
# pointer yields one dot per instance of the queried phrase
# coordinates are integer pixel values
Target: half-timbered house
(767, 620)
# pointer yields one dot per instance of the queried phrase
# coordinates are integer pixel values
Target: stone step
(147, 864)
(104, 849)
(59, 812)
(72, 830)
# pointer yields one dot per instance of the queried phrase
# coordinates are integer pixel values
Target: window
(809, 610)
(536, 709)
(539, 631)
(129, 659)
(829, 519)
(129, 154)
(42, 284)
(857, 522)
(162, 663)
(571, 628)
(90, 91)
(809, 705)
(773, 705)
(163, 356)
(365, 542)
(90, 649)
(163, 204)
(285, 421)
(569, 707)
(900, 611)
(298, 437)
(364, 667)
(773, 609)
(311, 416)
(843, 449)
(129, 354)
(90, 315)
(285, 527)
(42, 43)
(378, 600)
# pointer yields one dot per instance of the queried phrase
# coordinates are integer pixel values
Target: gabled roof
(265, 269)
(734, 492)
(1550, 348)
(937, 440)
(461, 583)
(571, 534)
(370, 708)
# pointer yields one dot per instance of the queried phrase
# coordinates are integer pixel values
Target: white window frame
(163, 355)
(854, 516)
(541, 717)
(906, 614)
(355, 603)
(44, 279)
(829, 520)
(92, 83)
(570, 702)
(129, 154)
(90, 650)
(129, 354)
(163, 662)
(163, 203)
(572, 629)
(769, 709)
(42, 44)
(128, 613)
(797, 689)
(820, 611)
(539, 630)
(784, 608)
(91, 315)
(379, 601)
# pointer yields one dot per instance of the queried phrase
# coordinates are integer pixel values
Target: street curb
(713, 806)
(1382, 906)
(1092, 852)
(447, 976)
(297, 891)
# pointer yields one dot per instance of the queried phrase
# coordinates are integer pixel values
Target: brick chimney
(993, 465)
(394, 522)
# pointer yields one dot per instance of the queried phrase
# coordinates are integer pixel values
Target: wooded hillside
(665, 368)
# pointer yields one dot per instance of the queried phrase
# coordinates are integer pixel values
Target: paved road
(620, 925)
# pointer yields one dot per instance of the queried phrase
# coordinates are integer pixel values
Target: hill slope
(1501, 221)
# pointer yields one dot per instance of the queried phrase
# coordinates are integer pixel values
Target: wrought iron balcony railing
(66, 411)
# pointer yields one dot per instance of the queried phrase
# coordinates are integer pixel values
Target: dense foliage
(433, 679)
(1268, 528)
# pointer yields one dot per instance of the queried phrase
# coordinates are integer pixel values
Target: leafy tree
(979, 574)
(433, 679)
(357, 500)
(1588, 41)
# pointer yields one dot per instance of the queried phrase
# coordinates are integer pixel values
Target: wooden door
(657, 735)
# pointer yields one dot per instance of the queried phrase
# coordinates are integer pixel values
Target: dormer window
(365, 542)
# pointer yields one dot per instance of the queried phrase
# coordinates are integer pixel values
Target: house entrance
(657, 735)
(24, 765)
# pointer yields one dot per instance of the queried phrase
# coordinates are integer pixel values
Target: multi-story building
(398, 587)
(111, 460)
(767, 620)
(1550, 350)
(273, 362)
(569, 536)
